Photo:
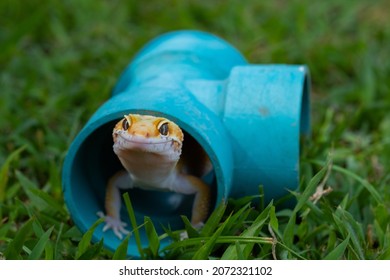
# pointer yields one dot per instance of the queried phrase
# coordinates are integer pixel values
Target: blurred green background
(60, 59)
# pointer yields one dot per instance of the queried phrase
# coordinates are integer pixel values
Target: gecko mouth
(153, 145)
(142, 140)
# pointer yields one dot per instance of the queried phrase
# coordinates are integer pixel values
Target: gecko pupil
(125, 124)
(164, 129)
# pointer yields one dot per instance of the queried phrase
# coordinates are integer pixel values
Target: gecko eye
(125, 124)
(163, 129)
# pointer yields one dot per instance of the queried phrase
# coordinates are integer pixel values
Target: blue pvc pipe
(248, 118)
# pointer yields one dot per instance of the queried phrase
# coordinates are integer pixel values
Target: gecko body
(150, 148)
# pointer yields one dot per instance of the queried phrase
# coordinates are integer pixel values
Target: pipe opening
(95, 163)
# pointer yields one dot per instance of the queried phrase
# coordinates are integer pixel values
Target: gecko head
(149, 134)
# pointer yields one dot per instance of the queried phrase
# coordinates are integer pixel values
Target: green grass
(60, 59)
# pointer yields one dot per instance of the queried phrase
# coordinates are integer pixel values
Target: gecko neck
(149, 170)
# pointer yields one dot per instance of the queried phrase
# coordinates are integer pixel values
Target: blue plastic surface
(248, 118)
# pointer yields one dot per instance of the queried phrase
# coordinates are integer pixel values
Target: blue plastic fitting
(248, 118)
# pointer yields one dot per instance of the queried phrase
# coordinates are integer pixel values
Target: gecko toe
(117, 233)
(116, 225)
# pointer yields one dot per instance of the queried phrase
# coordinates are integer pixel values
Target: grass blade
(121, 251)
(239, 251)
(252, 231)
(273, 220)
(86, 239)
(92, 252)
(310, 189)
(356, 232)
(151, 233)
(56, 249)
(205, 250)
(53, 205)
(349, 227)
(4, 171)
(4, 228)
(214, 220)
(291, 251)
(237, 220)
(39, 198)
(191, 231)
(220, 240)
(338, 252)
(289, 231)
(370, 188)
(37, 227)
(16, 245)
(262, 197)
(41, 245)
(133, 222)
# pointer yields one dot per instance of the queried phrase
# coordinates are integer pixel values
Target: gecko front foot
(117, 226)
